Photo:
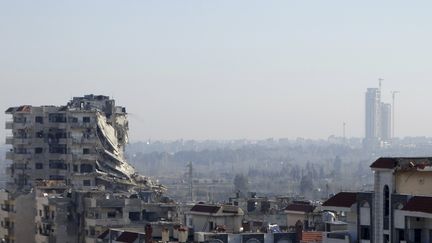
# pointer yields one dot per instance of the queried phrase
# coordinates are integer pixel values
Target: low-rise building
(208, 218)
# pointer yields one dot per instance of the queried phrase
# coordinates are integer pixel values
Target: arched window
(365, 204)
(386, 201)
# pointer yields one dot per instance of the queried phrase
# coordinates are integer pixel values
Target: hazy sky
(223, 69)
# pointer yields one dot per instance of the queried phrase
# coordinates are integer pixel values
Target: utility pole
(393, 111)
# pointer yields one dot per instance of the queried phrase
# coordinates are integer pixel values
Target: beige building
(208, 218)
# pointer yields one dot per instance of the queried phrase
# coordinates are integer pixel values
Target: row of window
(54, 118)
(55, 149)
(58, 164)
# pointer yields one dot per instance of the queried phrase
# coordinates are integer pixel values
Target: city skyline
(223, 70)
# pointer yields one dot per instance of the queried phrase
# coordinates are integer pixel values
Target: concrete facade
(69, 179)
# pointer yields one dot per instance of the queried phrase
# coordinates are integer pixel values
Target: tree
(306, 184)
(241, 184)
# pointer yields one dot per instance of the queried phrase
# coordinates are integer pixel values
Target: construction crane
(380, 80)
(393, 93)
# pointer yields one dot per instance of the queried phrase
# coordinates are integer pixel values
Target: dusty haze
(222, 69)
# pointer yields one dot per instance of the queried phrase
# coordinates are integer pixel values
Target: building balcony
(21, 141)
(65, 157)
(110, 203)
(6, 208)
(9, 170)
(107, 222)
(19, 125)
(83, 140)
(10, 155)
(82, 125)
(81, 157)
(9, 140)
(21, 156)
(9, 125)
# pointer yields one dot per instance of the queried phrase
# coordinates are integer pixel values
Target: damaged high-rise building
(70, 159)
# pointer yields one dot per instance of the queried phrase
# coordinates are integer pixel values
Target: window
(134, 216)
(39, 119)
(86, 183)
(56, 177)
(92, 231)
(401, 234)
(386, 201)
(86, 151)
(57, 164)
(38, 150)
(86, 119)
(38, 166)
(417, 235)
(75, 168)
(86, 168)
(58, 149)
(57, 118)
(364, 233)
(111, 214)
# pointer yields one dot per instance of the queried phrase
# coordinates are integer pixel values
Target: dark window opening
(38, 150)
(111, 214)
(134, 216)
(86, 119)
(86, 183)
(75, 168)
(92, 231)
(386, 202)
(86, 151)
(57, 164)
(57, 118)
(86, 168)
(417, 235)
(39, 134)
(39, 119)
(56, 177)
(401, 234)
(365, 233)
(39, 166)
(58, 149)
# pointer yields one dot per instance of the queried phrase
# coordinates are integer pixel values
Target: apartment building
(69, 179)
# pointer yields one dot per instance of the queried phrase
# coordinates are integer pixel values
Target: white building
(398, 210)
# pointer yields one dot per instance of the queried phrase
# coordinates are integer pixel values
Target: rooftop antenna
(393, 93)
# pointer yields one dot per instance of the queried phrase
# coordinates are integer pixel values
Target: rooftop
(402, 163)
(419, 204)
(202, 208)
(342, 199)
(300, 207)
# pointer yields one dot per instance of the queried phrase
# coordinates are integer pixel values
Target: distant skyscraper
(377, 119)
(385, 122)
(372, 122)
